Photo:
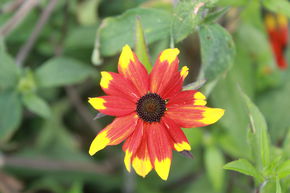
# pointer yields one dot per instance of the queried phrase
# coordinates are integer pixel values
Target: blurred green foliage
(46, 125)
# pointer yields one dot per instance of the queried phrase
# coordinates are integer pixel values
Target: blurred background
(51, 55)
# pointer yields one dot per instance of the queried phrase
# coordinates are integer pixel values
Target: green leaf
(115, 32)
(269, 186)
(200, 185)
(87, 12)
(278, 6)
(245, 167)
(10, 114)
(262, 57)
(260, 132)
(269, 102)
(217, 50)
(62, 71)
(27, 82)
(235, 120)
(184, 19)
(140, 45)
(284, 169)
(271, 169)
(215, 15)
(286, 144)
(72, 41)
(36, 104)
(233, 3)
(76, 187)
(9, 73)
(214, 162)
(278, 186)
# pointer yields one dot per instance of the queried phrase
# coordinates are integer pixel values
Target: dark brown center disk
(151, 107)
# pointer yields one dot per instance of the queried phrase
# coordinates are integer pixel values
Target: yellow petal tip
(184, 146)
(212, 115)
(162, 168)
(184, 72)
(105, 80)
(141, 166)
(92, 152)
(99, 143)
(270, 21)
(126, 56)
(199, 99)
(169, 55)
(282, 20)
(199, 95)
(97, 103)
(127, 160)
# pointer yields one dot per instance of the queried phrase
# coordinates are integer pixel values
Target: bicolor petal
(165, 72)
(132, 69)
(180, 142)
(188, 97)
(116, 85)
(159, 149)
(132, 144)
(175, 84)
(115, 133)
(277, 29)
(283, 28)
(141, 160)
(113, 105)
(189, 116)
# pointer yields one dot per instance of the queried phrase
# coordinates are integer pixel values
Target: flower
(150, 110)
(277, 30)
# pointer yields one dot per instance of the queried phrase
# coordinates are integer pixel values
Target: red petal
(113, 105)
(277, 28)
(175, 84)
(173, 87)
(141, 160)
(283, 27)
(160, 150)
(180, 142)
(189, 116)
(115, 133)
(188, 97)
(131, 68)
(132, 144)
(165, 74)
(277, 48)
(116, 85)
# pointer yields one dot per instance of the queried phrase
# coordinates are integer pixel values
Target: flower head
(150, 111)
(277, 29)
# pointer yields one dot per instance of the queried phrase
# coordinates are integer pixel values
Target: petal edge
(162, 167)
(211, 115)
(99, 143)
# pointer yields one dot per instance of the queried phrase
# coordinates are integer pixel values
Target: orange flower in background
(277, 29)
(150, 111)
